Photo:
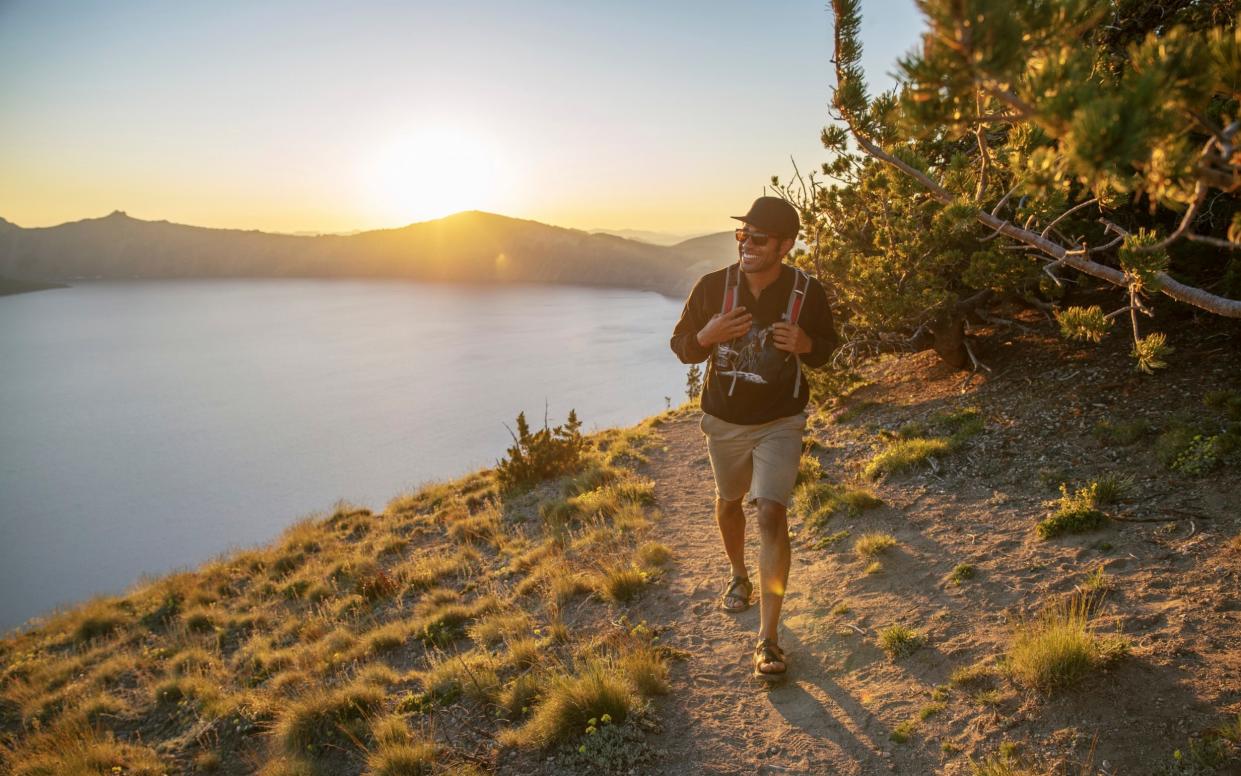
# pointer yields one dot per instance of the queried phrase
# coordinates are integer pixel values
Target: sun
(432, 172)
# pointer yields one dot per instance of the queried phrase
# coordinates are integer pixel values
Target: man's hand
(790, 337)
(725, 326)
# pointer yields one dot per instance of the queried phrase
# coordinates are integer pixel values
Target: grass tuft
(904, 455)
(325, 717)
(402, 759)
(899, 641)
(1059, 647)
(874, 543)
(570, 701)
(962, 572)
(622, 583)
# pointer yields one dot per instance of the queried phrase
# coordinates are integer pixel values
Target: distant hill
(643, 235)
(467, 247)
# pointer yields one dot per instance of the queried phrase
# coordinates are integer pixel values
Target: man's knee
(772, 519)
(727, 507)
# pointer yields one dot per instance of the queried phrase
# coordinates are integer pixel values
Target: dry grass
(622, 583)
(569, 700)
(78, 750)
(308, 654)
(903, 455)
(873, 543)
(323, 718)
(1059, 647)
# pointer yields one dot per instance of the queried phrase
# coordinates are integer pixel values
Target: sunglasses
(757, 239)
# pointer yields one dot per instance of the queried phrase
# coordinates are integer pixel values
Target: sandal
(739, 589)
(767, 651)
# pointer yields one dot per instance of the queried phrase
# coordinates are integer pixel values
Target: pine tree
(693, 382)
(1030, 140)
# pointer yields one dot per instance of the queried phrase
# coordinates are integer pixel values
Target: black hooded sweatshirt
(760, 377)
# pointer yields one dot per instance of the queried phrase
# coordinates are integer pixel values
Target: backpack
(797, 296)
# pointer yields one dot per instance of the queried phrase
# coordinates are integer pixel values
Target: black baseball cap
(773, 216)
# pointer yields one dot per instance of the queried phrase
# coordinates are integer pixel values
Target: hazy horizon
(681, 236)
(302, 118)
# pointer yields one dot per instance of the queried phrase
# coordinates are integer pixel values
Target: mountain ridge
(470, 246)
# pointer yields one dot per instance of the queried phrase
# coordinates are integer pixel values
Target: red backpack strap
(731, 280)
(797, 296)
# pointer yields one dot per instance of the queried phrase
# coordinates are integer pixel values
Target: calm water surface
(146, 426)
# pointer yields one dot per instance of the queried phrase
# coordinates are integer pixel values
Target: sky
(328, 117)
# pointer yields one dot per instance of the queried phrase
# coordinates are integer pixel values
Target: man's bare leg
(773, 569)
(731, 520)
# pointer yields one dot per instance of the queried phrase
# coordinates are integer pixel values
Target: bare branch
(1068, 213)
(1218, 243)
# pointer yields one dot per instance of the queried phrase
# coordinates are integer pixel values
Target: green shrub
(1075, 513)
(899, 641)
(809, 469)
(540, 455)
(961, 572)
(1121, 433)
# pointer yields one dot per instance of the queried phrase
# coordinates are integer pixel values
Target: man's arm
(685, 335)
(818, 324)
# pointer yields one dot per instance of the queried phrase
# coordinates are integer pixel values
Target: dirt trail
(1166, 568)
(718, 719)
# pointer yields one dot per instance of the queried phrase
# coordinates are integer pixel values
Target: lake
(152, 425)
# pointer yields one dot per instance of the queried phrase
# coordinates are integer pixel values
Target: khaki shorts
(762, 459)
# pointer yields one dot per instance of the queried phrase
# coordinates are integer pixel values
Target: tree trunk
(949, 342)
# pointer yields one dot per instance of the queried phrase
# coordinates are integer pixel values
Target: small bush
(873, 543)
(496, 628)
(810, 469)
(828, 540)
(899, 641)
(903, 732)
(1204, 454)
(1075, 513)
(975, 676)
(541, 455)
(961, 573)
(1110, 488)
(1174, 441)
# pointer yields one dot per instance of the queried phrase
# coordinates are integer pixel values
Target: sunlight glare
(434, 172)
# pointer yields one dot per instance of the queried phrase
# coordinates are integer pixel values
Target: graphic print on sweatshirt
(752, 357)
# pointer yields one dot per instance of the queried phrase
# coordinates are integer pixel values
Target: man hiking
(758, 321)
